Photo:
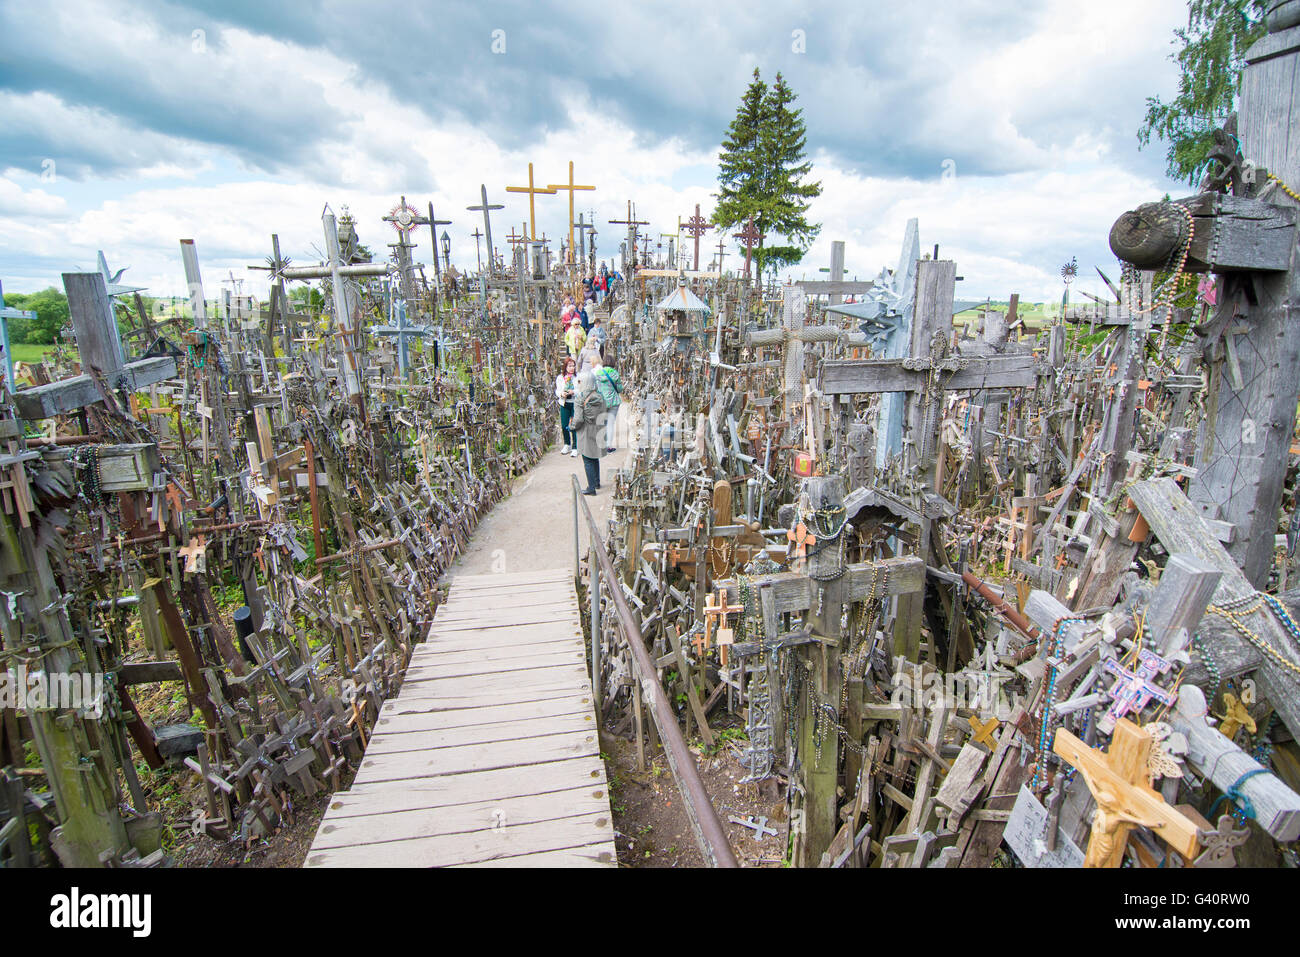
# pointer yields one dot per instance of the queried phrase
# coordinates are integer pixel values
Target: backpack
(609, 384)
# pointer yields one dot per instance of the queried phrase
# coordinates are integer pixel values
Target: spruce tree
(787, 196)
(740, 164)
(1211, 57)
(761, 173)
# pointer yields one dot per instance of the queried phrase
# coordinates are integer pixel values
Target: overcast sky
(127, 126)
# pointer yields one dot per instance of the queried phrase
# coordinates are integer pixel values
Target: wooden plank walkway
(488, 756)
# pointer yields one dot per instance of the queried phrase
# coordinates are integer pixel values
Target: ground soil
(650, 825)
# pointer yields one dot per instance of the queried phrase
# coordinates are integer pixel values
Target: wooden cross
(572, 188)
(800, 538)
(1120, 782)
(100, 349)
(532, 192)
(486, 209)
(717, 611)
(195, 554)
(749, 237)
(915, 374)
(984, 731)
(696, 227)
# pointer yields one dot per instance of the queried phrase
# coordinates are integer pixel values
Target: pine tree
(787, 196)
(740, 164)
(761, 172)
(1211, 58)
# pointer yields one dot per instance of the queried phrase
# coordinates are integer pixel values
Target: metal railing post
(707, 827)
(594, 592)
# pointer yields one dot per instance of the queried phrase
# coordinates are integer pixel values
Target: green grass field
(29, 353)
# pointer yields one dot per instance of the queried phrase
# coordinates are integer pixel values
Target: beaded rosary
(1049, 699)
(1234, 610)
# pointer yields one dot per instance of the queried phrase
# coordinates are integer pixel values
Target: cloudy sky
(126, 126)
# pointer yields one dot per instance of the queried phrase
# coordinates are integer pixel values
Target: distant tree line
(51, 308)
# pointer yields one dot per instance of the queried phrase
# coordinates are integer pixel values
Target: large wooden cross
(1248, 239)
(924, 376)
(571, 187)
(532, 192)
(1120, 782)
(100, 349)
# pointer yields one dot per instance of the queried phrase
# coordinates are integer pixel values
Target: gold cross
(532, 192)
(571, 187)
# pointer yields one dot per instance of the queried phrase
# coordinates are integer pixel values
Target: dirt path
(533, 528)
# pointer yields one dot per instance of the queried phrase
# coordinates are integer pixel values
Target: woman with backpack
(589, 410)
(610, 385)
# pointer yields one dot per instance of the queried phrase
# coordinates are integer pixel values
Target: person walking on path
(610, 386)
(566, 386)
(589, 352)
(575, 338)
(589, 421)
(597, 335)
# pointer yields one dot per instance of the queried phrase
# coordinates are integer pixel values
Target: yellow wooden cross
(1120, 782)
(571, 187)
(532, 192)
(983, 731)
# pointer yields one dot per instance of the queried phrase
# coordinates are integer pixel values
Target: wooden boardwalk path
(489, 754)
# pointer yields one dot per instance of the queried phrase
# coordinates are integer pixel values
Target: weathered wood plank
(486, 815)
(533, 729)
(470, 848)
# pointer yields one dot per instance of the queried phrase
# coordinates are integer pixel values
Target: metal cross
(759, 827)
(749, 237)
(486, 209)
(696, 227)
(402, 331)
(1133, 690)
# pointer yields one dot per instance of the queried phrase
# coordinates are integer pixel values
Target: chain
(1234, 610)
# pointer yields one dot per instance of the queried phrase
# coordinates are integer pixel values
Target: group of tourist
(587, 390)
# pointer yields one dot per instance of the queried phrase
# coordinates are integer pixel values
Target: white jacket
(560, 387)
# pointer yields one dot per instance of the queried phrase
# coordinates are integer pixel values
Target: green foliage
(762, 172)
(308, 299)
(51, 308)
(1211, 55)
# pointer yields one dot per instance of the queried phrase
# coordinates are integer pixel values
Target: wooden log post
(1250, 243)
(85, 789)
(819, 754)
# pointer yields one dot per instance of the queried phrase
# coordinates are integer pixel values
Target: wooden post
(1241, 480)
(820, 761)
